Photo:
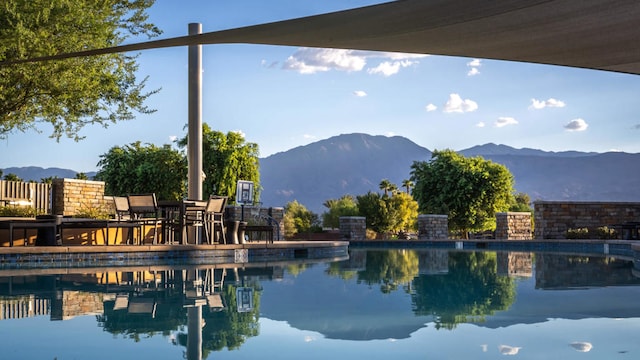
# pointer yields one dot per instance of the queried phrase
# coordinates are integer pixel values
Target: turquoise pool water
(382, 304)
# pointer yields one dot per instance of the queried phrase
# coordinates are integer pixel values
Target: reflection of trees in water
(227, 328)
(389, 268)
(470, 290)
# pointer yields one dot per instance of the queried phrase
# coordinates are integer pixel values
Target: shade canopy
(594, 34)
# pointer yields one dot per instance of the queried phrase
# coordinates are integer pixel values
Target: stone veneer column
(72, 195)
(353, 228)
(513, 226)
(433, 227)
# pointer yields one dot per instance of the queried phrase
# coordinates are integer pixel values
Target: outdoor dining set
(172, 222)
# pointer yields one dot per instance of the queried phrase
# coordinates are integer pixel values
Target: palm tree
(386, 186)
(407, 184)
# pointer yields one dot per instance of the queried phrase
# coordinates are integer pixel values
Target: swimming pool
(378, 304)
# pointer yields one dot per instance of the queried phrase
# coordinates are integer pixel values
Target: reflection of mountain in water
(340, 309)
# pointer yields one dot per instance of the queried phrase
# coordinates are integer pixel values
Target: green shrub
(601, 233)
(18, 211)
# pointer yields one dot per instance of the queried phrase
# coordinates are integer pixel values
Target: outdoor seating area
(138, 219)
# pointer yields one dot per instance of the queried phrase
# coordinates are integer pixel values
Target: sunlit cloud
(474, 65)
(309, 338)
(504, 121)
(541, 104)
(576, 125)
(390, 134)
(269, 65)
(457, 104)
(508, 350)
(314, 60)
(481, 124)
(581, 346)
(173, 138)
(431, 107)
(308, 136)
(359, 93)
(388, 68)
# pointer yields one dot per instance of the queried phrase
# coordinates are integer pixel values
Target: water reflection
(372, 295)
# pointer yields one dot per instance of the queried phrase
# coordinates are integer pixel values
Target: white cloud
(173, 138)
(481, 124)
(359, 93)
(308, 136)
(390, 134)
(504, 121)
(541, 104)
(388, 68)
(457, 104)
(431, 107)
(576, 125)
(314, 60)
(581, 346)
(509, 350)
(474, 65)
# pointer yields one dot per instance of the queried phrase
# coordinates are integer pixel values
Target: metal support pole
(194, 145)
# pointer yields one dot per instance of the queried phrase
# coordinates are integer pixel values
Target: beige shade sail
(594, 34)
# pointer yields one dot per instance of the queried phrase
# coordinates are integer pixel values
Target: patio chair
(123, 218)
(144, 209)
(194, 219)
(214, 219)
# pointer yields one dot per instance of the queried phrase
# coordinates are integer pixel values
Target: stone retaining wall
(553, 218)
(353, 228)
(71, 196)
(433, 227)
(513, 226)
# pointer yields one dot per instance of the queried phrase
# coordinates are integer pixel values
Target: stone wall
(71, 196)
(513, 226)
(433, 227)
(353, 228)
(553, 218)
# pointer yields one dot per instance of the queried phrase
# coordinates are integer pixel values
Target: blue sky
(284, 97)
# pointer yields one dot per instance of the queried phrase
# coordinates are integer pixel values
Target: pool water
(378, 304)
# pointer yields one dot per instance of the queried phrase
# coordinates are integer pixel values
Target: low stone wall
(71, 196)
(553, 218)
(513, 226)
(353, 228)
(433, 227)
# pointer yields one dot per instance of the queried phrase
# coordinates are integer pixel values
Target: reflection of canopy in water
(588, 33)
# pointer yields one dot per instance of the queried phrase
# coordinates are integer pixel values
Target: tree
(297, 219)
(12, 177)
(135, 168)
(81, 176)
(227, 159)
(387, 186)
(469, 190)
(521, 203)
(69, 94)
(344, 206)
(380, 216)
(406, 210)
(408, 185)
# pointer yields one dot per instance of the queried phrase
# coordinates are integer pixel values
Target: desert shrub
(601, 233)
(18, 211)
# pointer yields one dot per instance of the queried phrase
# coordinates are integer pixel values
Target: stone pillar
(353, 228)
(71, 196)
(513, 226)
(433, 227)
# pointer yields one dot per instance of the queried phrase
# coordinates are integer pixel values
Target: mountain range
(356, 163)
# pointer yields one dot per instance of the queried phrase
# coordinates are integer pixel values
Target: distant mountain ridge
(356, 163)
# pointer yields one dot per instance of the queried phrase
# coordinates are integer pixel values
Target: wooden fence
(19, 193)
